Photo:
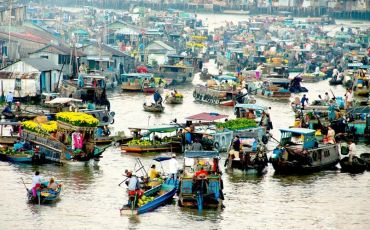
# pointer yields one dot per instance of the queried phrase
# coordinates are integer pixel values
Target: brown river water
(91, 198)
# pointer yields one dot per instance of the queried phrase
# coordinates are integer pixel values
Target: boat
(358, 165)
(153, 108)
(159, 195)
(140, 82)
(146, 141)
(174, 98)
(45, 196)
(304, 154)
(175, 74)
(275, 89)
(16, 157)
(252, 159)
(203, 190)
(366, 158)
(51, 137)
(221, 90)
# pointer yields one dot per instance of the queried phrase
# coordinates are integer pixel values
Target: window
(44, 56)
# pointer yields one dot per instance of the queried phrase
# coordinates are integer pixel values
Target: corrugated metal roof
(42, 64)
(13, 75)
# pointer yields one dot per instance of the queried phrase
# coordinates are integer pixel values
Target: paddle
(24, 184)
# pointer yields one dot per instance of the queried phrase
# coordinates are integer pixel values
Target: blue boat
(201, 190)
(162, 194)
(44, 196)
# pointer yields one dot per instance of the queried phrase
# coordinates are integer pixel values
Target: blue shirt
(188, 137)
(9, 97)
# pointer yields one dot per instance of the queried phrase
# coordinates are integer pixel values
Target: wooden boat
(59, 149)
(304, 155)
(21, 158)
(170, 99)
(44, 196)
(358, 165)
(272, 89)
(366, 158)
(146, 149)
(153, 108)
(204, 190)
(161, 194)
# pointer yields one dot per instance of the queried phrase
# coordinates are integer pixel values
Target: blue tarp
(160, 159)
(298, 130)
(201, 154)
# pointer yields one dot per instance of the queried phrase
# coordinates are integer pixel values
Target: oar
(24, 184)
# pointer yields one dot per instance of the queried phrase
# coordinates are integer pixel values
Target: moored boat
(358, 165)
(174, 98)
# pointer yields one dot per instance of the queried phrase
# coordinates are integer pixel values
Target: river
(91, 198)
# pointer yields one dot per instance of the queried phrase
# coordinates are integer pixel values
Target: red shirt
(200, 172)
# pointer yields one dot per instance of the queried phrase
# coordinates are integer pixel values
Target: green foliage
(239, 123)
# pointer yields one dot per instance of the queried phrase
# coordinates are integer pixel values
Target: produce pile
(47, 127)
(239, 123)
(143, 200)
(77, 119)
(177, 95)
(142, 142)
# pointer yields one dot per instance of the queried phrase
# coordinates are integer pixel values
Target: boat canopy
(136, 75)
(302, 131)
(63, 100)
(226, 78)
(201, 154)
(206, 117)
(158, 128)
(160, 159)
(362, 109)
(251, 106)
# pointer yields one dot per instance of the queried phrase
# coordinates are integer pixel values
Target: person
(234, 152)
(7, 110)
(153, 173)
(36, 183)
(188, 140)
(250, 114)
(304, 100)
(82, 68)
(18, 107)
(77, 140)
(196, 146)
(133, 185)
(348, 98)
(331, 135)
(327, 97)
(99, 132)
(90, 105)
(201, 172)
(352, 151)
(9, 98)
(173, 167)
(52, 185)
(18, 146)
(239, 98)
(157, 98)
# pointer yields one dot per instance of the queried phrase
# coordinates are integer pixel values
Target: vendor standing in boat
(351, 151)
(36, 183)
(133, 185)
(157, 98)
(331, 135)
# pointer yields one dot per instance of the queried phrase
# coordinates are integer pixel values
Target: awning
(201, 154)
(98, 58)
(158, 128)
(207, 117)
(63, 100)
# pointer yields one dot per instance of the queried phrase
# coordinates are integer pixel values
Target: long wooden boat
(305, 157)
(153, 108)
(162, 194)
(146, 149)
(358, 165)
(44, 196)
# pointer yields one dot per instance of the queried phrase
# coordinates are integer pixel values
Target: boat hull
(358, 165)
(153, 109)
(169, 192)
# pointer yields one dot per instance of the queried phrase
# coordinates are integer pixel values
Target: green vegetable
(239, 123)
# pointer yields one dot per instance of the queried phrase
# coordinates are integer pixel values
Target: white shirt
(349, 96)
(36, 180)
(352, 149)
(173, 166)
(132, 183)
